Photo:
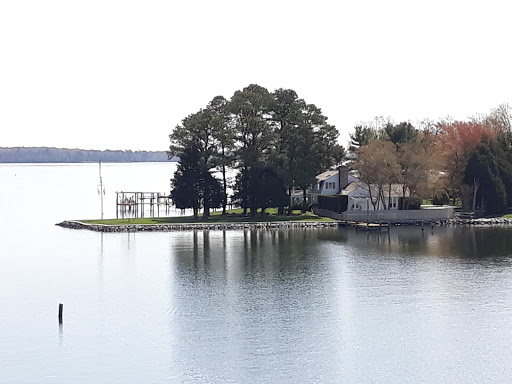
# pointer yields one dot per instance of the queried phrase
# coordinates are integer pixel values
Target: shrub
(441, 198)
(409, 203)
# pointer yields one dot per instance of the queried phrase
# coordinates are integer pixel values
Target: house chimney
(343, 177)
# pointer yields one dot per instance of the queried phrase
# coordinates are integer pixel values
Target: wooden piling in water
(61, 310)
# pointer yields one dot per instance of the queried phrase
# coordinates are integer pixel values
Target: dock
(142, 204)
(367, 226)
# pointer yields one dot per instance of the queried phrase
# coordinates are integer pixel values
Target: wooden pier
(367, 226)
(142, 204)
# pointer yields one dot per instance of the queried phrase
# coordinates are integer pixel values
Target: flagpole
(101, 192)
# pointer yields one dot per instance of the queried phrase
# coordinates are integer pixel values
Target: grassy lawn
(233, 216)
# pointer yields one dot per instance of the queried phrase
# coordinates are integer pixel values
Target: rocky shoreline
(455, 222)
(267, 225)
(196, 226)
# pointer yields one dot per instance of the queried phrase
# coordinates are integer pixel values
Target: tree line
(274, 141)
(468, 160)
(63, 155)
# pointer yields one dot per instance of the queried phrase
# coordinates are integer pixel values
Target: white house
(359, 197)
(329, 182)
(340, 182)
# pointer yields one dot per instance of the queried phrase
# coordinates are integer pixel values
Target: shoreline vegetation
(278, 144)
(66, 155)
(232, 217)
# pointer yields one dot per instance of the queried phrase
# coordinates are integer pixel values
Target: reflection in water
(332, 300)
(61, 333)
(256, 284)
(249, 253)
(253, 306)
(459, 242)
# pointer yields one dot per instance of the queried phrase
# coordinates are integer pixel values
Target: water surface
(262, 306)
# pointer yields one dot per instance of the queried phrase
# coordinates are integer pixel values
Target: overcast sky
(121, 74)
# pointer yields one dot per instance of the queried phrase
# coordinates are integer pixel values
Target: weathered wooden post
(61, 310)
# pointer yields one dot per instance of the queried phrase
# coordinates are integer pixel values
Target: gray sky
(121, 74)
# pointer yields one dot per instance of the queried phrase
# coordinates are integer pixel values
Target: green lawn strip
(216, 217)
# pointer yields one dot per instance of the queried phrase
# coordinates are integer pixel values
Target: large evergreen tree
(195, 141)
(255, 137)
(490, 169)
(274, 141)
(224, 135)
(317, 148)
(185, 187)
(363, 135)
(287, 113)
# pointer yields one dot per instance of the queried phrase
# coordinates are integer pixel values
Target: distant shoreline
(13, 155)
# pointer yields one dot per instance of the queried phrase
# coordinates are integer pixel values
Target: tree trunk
(304, 202)
(225, 200)
(374, 203)
(467, 194)
(476, 185)
(389, 196)
(206, 200)
(206, 205)
(290, 188)
(404, 205)
(382, 199)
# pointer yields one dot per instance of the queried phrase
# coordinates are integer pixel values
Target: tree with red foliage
(457, 140)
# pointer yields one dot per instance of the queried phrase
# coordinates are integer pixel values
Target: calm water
(309, 306)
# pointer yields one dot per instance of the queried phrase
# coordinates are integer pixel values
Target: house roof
(350, 188)
(396, 189)
(325, 175)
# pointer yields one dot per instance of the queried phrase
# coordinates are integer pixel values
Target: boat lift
(141, 204)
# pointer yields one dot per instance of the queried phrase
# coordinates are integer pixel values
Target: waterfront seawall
(391, 216)
(272, 225)
(196, 226)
